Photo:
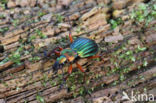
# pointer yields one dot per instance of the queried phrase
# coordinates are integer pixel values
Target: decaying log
(129, 46)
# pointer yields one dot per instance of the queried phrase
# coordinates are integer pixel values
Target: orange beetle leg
(70, 37)
(70, 69)
(60, 48)
(92, 57)
(57, 53)
(80, 67)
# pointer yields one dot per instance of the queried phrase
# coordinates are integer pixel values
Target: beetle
(80, 48)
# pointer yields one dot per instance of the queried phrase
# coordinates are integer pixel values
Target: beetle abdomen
(84, 47)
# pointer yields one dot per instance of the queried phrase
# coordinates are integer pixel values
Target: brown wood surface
(88, 18)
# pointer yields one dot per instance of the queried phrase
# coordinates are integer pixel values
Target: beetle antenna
(69, 23)
(70, 36)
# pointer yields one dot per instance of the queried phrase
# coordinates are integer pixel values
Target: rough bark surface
(127, 47)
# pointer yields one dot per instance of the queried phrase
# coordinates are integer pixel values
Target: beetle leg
(70, 37)
(55, 51)
(70, 69)
(60, 48)
(58, 52)
(80, 67)
(45, 53)
(92, 57)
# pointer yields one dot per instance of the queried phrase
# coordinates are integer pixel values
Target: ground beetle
(80, 48)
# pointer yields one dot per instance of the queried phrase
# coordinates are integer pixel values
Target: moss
(40, 99)
(32, 37)
(115, 82)
(77, 78)
(34, 59)
(2, 16)
(3, 1)
(15, 22)
(115, 22)
(78, 29)
(53, 83)
(144, 13)
(40, 13)
(145, 63)
(59, 18)
(40, 34)
(4, 61)
(4, 29)
(15, 57)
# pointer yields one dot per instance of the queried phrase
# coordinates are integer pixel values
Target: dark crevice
(1, 48)
(138, 71)
(147, 1)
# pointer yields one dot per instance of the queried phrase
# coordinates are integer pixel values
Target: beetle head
(59, 62)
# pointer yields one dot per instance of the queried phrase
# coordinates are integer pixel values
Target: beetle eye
(66, 61)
